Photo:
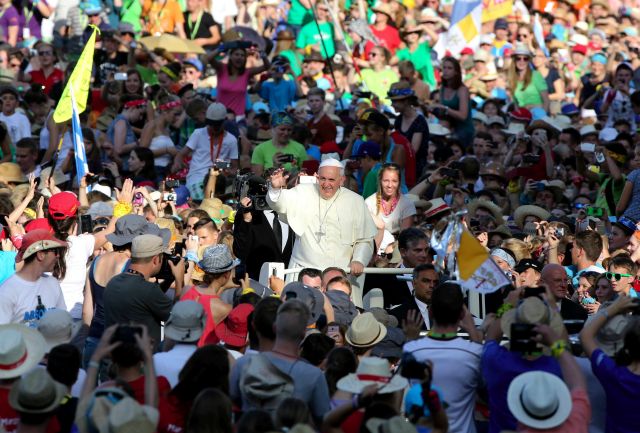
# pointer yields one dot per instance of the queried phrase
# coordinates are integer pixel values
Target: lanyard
(211, 146)
(442, 335)
(28, 14)
(194, 27)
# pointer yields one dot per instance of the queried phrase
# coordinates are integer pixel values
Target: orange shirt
(161, 16)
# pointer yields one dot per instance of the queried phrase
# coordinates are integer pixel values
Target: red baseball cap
(63, 205)
(38, 224)
(234, 329)
(521, 114)
(594, 46)
(466, 50)
(38, 240)
(582, 49)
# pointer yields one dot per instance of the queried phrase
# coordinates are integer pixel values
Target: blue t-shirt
(7, 264)
(499, 367)
(621, 387)
(278, 95)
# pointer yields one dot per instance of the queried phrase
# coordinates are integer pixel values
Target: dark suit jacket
(570, 310)
(254, 243)
(395, 291)
(403, 309)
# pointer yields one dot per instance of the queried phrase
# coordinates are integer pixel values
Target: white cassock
(331, 232)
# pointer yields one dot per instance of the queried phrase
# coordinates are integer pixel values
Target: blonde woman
(388, 204)
(521, 249)
(526, 86)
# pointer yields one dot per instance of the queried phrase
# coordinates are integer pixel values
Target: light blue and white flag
(78, 142)
(465, 28)
(538, 33)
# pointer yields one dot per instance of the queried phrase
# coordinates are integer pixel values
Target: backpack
(263, 385)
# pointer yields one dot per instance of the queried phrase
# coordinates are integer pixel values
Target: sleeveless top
(130, 137)
(162, 142)
(97, 292)
(463, 130)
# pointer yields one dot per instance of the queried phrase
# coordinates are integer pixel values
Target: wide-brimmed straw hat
(21, 349)
(523, 211)
(492, 208)
(372, 370)
(36, 393)
(539, 400)
(365, 331)
(57, 327)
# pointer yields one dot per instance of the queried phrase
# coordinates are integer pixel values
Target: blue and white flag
(78, 142)
(538, 33)
(464, 30)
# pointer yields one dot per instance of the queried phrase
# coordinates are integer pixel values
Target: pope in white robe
(332, 224)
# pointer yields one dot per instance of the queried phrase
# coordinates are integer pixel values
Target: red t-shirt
(173, 415)
(388, 37)
(38, 77)
(137, 386)
(9, 418)
(323, 131)
(209, 334)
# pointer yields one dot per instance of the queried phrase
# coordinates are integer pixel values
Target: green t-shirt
(531, 95)
(298, 14)
(370, 184)
(264, 152)
(616, 189)
(380, 82)
(309, 36)
(130, 13)
(421, 59)
(295, 60)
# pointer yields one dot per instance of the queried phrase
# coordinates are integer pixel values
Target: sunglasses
(45, 53)
(612, 275)
(522, 59)
(524, 35)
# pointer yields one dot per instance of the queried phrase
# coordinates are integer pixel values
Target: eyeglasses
(45, 53)
(522, 59)
(612, 275)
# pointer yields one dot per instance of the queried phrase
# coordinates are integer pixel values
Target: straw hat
(372, 370)
(365, 331)
(521, 50)
(539, 400)
(383, 8)
(437, 206)
(492, 208)
(524, 211)
(21, 349)
(36, 393)
(514, 128)
(10, 172)
(532, 311)
(57, 327)
(216, 209)
(438, 130)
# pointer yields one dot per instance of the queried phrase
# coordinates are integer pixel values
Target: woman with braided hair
(388, 204)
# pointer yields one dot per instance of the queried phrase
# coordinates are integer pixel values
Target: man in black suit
(555, 277)
(425, 279)
(259, 237)
(413, 246)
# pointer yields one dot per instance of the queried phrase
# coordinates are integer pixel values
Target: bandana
(617, 157)
(502, 254)
(401, 92)
(282, 118)
(169, 73)
(170, 105)
(599, 58)
(135, 103)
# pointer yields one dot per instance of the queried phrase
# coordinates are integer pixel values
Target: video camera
(254, 187)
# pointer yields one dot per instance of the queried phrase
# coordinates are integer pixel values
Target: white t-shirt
(222, 9)
(456, 371)
(19, 299)
(18, 126)
(202, 158)
(169, 364)
(405, 208)
(158, 143)
(80, 249)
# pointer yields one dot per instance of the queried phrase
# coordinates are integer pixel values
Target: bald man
(555, 277)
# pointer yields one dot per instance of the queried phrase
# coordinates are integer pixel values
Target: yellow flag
(471, 255)
(80, 80)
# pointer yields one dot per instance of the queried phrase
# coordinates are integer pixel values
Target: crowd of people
(229, 140)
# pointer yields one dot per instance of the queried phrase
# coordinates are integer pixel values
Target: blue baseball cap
(91, 7)
(368, 148)
(195, 62)
(570, 109)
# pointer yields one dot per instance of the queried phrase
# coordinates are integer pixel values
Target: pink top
(233, 93)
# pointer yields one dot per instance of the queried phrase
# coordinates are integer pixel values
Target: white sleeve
(193, 140)
(6, 307)
(26, 127)
(60, 303)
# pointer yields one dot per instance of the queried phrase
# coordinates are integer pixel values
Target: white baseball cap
(216, 112)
